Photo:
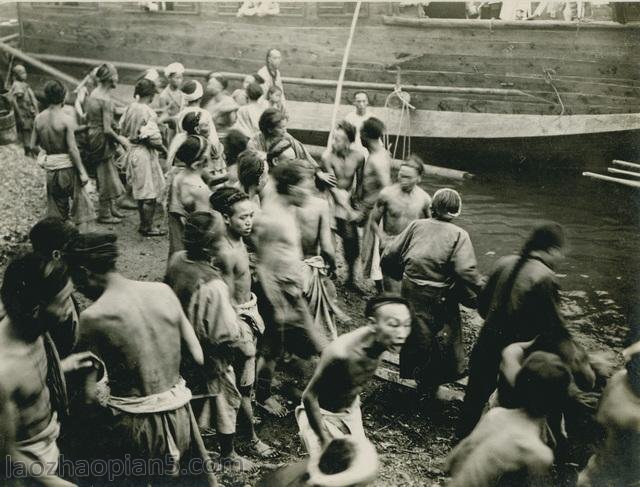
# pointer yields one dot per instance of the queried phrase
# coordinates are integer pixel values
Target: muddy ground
(412, 448)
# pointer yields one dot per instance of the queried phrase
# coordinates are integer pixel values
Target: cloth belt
(53, 162)
(175, 398)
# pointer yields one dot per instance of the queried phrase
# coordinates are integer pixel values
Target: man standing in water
(60, 157)
(397, 206)
(331, 401)
(348, 166)
(377, 175)
(137, 329)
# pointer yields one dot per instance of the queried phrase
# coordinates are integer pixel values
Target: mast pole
(343, 69)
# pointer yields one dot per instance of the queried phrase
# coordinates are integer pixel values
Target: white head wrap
(448, 190)
(152, 75)
(173, 68)
(196, 95)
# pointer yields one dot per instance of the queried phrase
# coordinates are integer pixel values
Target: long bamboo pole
(631, 165)
(343, 70)
(39, 64)
(632, 174)
(624, 182)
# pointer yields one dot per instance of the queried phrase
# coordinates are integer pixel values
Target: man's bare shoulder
(342, 347)
(355, 155)
(422, 194)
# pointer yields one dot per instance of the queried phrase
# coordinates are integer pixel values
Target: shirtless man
(280, 271)
(331, 401)
(60, 157)
(397, 206)
(207, 301)
(136, 328)
(314, 222)
(377, 175)
(232, 258)
(171, 100)
(34, 298)
(348, 166)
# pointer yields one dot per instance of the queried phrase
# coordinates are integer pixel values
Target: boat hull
(555, 153)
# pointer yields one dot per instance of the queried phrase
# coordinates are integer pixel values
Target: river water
(600, 276)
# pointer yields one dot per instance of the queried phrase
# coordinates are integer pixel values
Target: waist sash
(53, 162)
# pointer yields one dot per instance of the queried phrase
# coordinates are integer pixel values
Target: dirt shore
(412, 449)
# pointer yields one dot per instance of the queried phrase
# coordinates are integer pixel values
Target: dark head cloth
(382, 299)
(50, 235)
(93, 250)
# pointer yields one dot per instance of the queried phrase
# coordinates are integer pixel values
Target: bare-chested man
(348, 166)
(397, 206)
(377, 175)
(280, 271)
(136, 328)
(314, 222)
(207, 300)
(232, 258)
(35, 296)
(60, 157)
(331, 401)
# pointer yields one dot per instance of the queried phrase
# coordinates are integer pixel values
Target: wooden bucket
(8, 131)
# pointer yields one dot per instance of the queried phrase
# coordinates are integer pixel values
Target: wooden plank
(622, 172)
(623, 182)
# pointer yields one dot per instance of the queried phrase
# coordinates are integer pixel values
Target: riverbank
(412, 449)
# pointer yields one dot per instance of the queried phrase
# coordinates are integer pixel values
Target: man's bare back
(135, 329)
(313, 221)
(398, 208)
(51, 127)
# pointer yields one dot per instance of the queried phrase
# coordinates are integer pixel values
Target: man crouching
(331, 401)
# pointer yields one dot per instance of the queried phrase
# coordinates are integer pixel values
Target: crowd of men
(253, 222)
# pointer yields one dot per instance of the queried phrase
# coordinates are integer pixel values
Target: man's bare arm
(311, 402)
(191, 340)
(378, 212)
(360, 177)
(74, 153)
(107, 119)
(326, 242)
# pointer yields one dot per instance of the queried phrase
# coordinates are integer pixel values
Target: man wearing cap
(436, 262)
(136, 328)
(397, 206)
(331, 402)
(171, 100)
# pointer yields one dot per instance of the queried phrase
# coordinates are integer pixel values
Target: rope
(343, 68)
(401, 131)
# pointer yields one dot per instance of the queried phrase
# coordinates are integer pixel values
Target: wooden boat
(543, 92)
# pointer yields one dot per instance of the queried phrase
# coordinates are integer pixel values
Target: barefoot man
(377, 175)
(60, 157)
(232, 258)
(136, 328)
(348, 165)
(280, 270)
(207, 301)
(331, 401)
(397, 206)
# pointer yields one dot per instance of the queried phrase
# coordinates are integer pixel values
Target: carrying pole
(17, 53)
(343, 69)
